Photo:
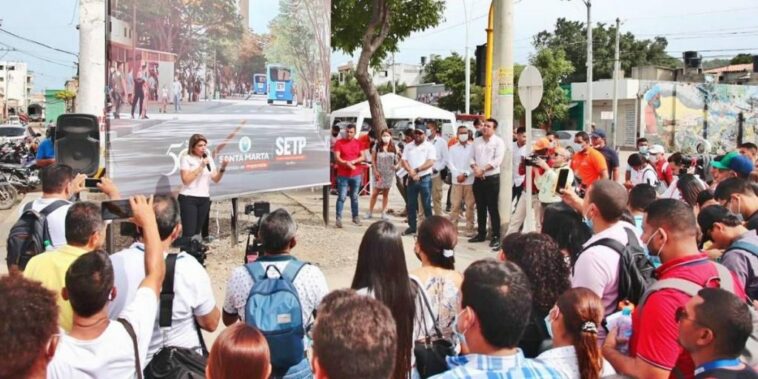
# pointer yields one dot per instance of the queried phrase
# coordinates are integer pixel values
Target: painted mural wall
(682, 116)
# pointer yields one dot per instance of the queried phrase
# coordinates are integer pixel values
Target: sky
(715, 28)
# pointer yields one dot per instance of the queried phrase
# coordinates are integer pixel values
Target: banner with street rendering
(254, 82)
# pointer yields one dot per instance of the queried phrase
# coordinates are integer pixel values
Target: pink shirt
(598, 267)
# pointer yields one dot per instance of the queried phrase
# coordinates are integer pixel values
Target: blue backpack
(273, 307)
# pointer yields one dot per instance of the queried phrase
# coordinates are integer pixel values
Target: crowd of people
(619, 280)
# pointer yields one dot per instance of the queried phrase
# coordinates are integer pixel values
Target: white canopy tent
(398, 108)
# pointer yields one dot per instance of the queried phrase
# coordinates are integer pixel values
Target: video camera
(701, 164)
(253, 248)
(531, 159)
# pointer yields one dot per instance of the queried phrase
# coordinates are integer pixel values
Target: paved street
(255, 137)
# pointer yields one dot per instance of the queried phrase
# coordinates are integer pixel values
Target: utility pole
(393, 72)
(588, 115)
(616, 68)
(502, 94)
(468, 62)
(91, 95)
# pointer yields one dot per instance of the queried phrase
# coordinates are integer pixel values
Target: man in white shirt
(277, 233)
(97, 347)
(193, 294)
(59, 184)
(519, 152)
(489, 150)
(440, 146)
(459, 164)
(641, 171)
(597, 267)
(418, 160)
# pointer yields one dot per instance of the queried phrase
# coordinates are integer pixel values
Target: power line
(38, 43)
(11, 48)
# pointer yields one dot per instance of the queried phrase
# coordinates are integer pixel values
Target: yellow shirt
(49, 268)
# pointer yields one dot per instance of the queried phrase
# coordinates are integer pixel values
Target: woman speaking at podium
(197, 169)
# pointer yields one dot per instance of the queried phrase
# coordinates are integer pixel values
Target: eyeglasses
(681, 314)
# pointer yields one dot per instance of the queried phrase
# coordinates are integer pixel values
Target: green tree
(742, 59)
(554, 68)
(376, 27)
(348, 92)
(570, 36)
(451, 71)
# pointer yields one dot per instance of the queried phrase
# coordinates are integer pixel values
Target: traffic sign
(530, 88)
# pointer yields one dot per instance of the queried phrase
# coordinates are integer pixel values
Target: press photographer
(253, 249)
(553, 177)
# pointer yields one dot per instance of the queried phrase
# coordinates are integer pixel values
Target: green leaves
(571, 37)
(451, 71)
(350, 17)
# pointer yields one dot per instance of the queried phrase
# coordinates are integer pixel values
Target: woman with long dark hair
(384, 161)
(574, 322)
(566, 227)
(545, 267)
(381, 272)
(197, 171)
(240, 351)
(435, 248)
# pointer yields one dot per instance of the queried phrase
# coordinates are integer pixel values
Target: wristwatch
(466, 174)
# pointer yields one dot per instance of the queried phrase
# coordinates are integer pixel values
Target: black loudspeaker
(77, 142)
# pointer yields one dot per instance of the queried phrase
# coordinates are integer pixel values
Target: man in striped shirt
(495, 306)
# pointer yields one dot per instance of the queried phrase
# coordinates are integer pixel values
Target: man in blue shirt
(46, 150)
(495, 308)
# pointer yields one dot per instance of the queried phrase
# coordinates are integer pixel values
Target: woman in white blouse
(197, 170)
(574, 322)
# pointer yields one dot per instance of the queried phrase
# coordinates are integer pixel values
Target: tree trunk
(377, 30)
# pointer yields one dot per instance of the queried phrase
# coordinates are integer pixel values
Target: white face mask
(386, 139)
(463, 137)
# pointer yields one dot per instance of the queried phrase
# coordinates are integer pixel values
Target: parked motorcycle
(8, 194)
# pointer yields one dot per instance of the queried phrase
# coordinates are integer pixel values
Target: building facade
(16, 83)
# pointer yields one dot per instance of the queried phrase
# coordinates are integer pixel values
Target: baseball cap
(656, 149)
(741, 165)
(598, 133)
(725, 161)
(541, 144)
(711, 215)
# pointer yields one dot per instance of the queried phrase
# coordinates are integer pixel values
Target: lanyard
(717, 364)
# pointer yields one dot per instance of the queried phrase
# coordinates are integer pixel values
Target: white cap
(656, 149)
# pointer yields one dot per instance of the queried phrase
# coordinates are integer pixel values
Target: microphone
(208, 165)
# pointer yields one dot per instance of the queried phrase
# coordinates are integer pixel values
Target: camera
(531, 159)
(253, 247)
(258, 209)
(690, 161)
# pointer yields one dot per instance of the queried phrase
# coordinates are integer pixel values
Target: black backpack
(29, 235)
(172, 362)
(636, 272)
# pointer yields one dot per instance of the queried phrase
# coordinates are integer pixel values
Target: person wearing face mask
(588, 164)
(657, 156)
(740, 245)
(740, 196)
(597, 267)
(670, 232)
(644, 150)
(573, 324)
(495, 308)
(197, 170)
(546, 182)
(439, 169)
(401, 175)
(384, 159)
(458, 163)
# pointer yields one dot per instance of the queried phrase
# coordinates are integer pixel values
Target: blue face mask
(458, 335)
(549, 326)
(588, 222)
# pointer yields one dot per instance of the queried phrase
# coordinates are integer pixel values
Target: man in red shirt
(348, 154)
(670, 232)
